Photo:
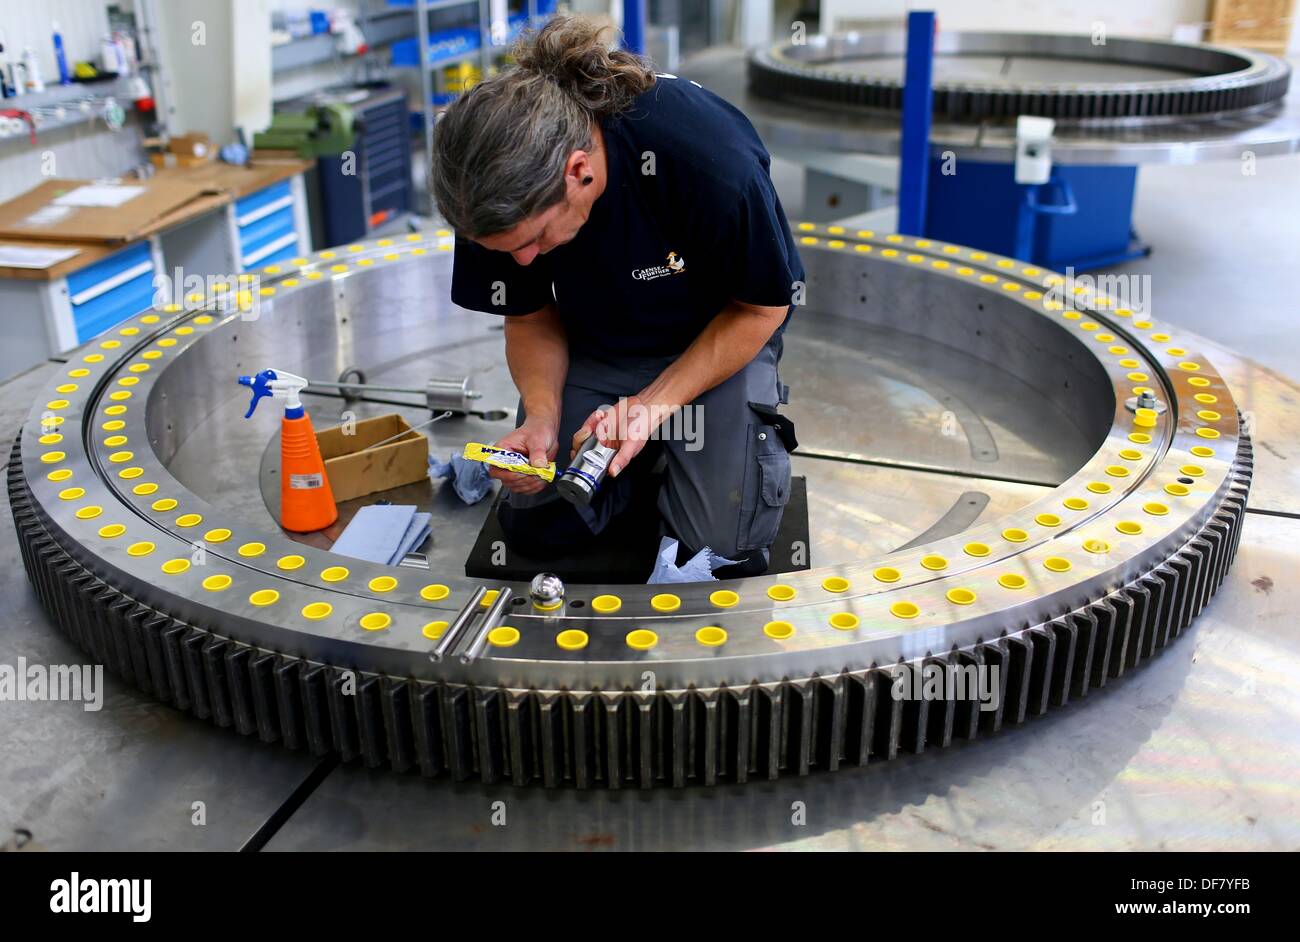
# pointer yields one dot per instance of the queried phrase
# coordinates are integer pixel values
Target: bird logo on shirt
(676, 265)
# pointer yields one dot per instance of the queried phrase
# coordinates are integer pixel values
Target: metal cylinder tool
(581, 479)
(453, 395)
(441, 394)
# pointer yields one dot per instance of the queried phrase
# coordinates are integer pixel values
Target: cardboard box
(355, 472)
(196, 145)
(37, 214)
(169, 160)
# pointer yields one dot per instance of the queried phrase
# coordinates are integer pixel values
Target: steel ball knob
(546, 590)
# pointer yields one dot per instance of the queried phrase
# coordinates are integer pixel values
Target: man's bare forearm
(537, 352)
(723, 348)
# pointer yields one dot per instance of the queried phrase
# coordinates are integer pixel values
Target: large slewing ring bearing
(734, 681)
(1130, 81)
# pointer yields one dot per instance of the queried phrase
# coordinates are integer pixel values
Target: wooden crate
(1256, 24)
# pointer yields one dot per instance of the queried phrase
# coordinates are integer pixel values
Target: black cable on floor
(1284, 514)
(271, 826)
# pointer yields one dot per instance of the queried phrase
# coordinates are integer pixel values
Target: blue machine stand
(1081, 218)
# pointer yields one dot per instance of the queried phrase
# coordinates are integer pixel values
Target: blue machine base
(1087, 225)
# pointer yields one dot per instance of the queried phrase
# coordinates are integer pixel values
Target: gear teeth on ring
(629, 738)
(1250, 80)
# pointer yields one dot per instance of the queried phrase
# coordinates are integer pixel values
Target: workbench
(262, 218)
(253, 216)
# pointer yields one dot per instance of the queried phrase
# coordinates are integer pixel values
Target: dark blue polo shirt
(688, 221)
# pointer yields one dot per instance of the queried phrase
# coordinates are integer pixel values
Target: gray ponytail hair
(499, 151)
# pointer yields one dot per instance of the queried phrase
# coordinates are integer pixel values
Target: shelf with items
(316, 40)
(305, 51)
(32, 114)
(459, 44)
(461, 47)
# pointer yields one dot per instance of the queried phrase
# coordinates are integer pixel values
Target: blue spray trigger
(261, 386)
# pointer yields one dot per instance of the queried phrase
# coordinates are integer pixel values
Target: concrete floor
(1226, 253)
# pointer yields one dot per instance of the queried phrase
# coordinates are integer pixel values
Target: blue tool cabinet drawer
(106, 293)
(380, 190)
(267, 229)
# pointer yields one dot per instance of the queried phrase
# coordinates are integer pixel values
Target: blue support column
(918, 107)
(634, 26)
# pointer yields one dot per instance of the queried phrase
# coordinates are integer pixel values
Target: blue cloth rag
(383, 533)
(699, 568)
(469, 479)
(416, 533)
(236, 154)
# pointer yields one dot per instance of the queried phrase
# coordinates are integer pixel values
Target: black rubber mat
(625, 551)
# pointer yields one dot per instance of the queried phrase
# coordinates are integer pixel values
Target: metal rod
(463, 617)
(372, 386)
(475, 648)
(486, 44)
(426, 76)
(404, 431)
(372, 399)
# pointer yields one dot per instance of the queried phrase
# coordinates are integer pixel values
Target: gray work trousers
(726, 473)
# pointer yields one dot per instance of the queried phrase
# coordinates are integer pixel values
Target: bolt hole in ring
(1123, 493)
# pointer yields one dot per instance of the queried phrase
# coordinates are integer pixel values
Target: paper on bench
(99, 194)
(30, 256)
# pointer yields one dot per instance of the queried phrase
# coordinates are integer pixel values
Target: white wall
(251, 66)
(216, 62)
(82, 152)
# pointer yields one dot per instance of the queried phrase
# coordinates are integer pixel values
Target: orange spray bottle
(306, 501)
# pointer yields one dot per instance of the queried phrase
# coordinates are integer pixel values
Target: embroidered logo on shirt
(675, 266)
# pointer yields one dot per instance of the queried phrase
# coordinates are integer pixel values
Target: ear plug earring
(586, 181)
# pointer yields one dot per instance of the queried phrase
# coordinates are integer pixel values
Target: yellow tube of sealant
(508, 460)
